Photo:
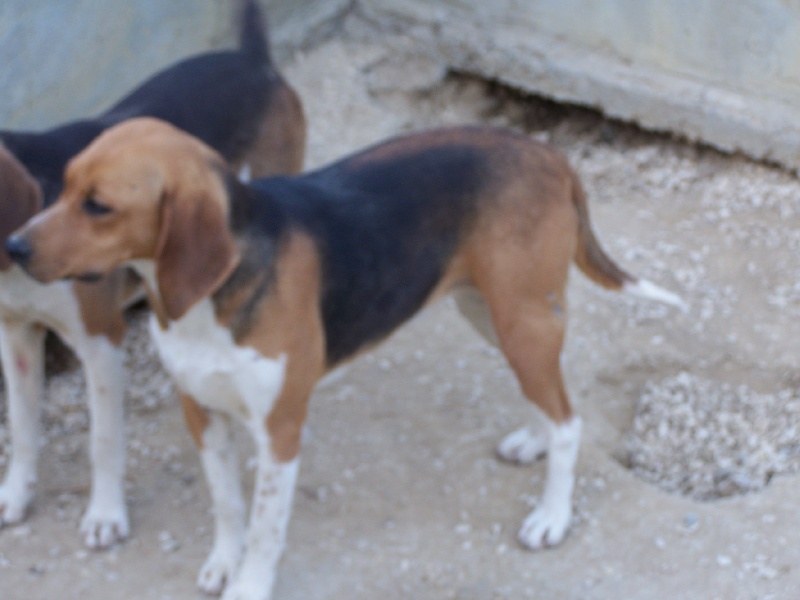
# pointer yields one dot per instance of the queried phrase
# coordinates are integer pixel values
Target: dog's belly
(207, 364)
(473, 307)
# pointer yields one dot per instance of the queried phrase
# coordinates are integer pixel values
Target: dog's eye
(92, 207)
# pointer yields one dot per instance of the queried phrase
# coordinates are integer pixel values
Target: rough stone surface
(722, 72)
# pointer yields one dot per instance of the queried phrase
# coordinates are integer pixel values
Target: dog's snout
(19, 249)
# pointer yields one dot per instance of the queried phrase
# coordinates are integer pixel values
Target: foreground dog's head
(142, 190)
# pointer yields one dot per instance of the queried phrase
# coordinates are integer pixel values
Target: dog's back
(219, 97)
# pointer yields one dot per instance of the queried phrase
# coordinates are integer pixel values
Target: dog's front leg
(212, 433)
(269, 517)
(106, 518)
(22, 353)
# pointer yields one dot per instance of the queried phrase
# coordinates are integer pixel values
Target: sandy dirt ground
(400, 495)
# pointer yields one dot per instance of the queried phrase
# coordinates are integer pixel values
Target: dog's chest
(206, 363)
(52, 304)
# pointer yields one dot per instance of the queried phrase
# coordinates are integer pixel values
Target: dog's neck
(252, 208)
(146, 269)
(258, 224)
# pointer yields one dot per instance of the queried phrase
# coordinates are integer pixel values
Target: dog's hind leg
(531, 336)
(527, 304)
(526, 444)
(22, 353)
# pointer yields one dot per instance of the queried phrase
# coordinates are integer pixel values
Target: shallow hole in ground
(715, 433)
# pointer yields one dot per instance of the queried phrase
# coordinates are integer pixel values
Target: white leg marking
(269, 518)
(22, 354)
(523, 446)
(106, 519)
(221, 468)
(548, 523)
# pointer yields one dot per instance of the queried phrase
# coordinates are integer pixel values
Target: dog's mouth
(89, 277)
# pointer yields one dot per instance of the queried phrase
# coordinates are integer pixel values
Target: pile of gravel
(707, 439)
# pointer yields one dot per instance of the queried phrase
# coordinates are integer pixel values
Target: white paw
(13, 504)
(545, 527)
(218, 569)
(522, 447)
(249, 589)
(101, 529)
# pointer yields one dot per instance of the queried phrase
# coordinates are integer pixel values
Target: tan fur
(291, 322)
(280, 145)
(287, 321)
(193, 220)
(102, 303)
(196, 418)
(130, 232)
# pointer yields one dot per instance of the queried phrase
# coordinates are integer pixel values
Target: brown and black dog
(259, 290)
(235, 101)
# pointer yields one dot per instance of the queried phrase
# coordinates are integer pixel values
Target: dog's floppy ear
(196, 251)
(20, 199)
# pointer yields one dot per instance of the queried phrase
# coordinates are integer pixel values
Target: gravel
(709, 439)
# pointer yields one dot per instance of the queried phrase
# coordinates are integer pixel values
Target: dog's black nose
(18, 249)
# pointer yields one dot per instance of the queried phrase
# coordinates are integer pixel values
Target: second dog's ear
(20, 199)
(196, 251)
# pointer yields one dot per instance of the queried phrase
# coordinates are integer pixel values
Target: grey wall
(61, 59)
(723, 71)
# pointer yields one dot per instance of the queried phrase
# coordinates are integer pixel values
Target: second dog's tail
(593, 261)
(253, 36)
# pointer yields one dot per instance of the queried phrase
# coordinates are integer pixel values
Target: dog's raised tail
(253, 35)
(593, 261)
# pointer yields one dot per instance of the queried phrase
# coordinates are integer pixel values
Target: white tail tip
(647, 289)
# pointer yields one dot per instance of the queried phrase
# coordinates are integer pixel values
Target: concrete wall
(722, 71)
(726, 72)
(62, 59)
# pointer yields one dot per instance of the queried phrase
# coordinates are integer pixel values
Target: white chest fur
(53, 304)
(207, 364)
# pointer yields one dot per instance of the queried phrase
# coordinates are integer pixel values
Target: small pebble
(691, 522)
(723, 560)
